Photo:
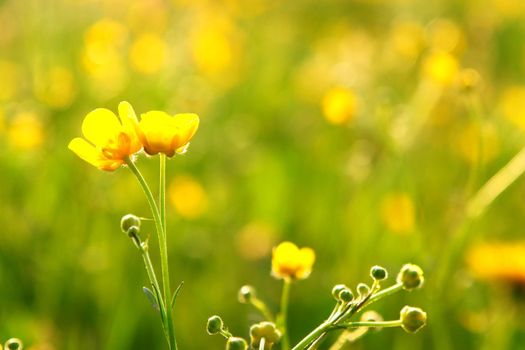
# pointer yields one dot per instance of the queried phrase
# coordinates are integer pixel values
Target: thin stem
(162, 244)
(154, 282)
(285, 297)
(384, 293)
(164, 247)
(262, 344)
(312, 336)
(263, 309)
(383, 324)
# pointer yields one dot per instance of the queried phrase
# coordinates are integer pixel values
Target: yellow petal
(101, 126)
(92, 155)
(129, 125)
(188, 123)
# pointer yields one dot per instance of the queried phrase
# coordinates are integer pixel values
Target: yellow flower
(26, 131)
(339, 105)
(398, 213)
(441, 68)
(498, 261)
(110, 141)
(148, 54)
(161, 133)
(188, 197)
(290, 262)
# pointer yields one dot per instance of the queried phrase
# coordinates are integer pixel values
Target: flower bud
(246, 293)
(128, 221)
(235, 343)
(337, 289)
(411, 276)
(214, 325)
(346, 295)
(378, 273)
(13, 344)
(412, 319)
(266, 330)
(363, 290)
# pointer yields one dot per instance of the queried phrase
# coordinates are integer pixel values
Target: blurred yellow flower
(160, 132)
(406, 39)
(339, 105)
(290, 262)
(148, 53)
(255, 240)
(102, 56)
(25, 131)
(398, 213)
(55, 87)
(188, 197)
(110, 140)
(441, 68)
(498, 261)
(445, 35)
(512, 105)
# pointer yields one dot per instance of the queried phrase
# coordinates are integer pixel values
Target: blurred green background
(358, 128)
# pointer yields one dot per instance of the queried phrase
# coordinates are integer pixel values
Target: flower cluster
(109, 141)
(290, 264)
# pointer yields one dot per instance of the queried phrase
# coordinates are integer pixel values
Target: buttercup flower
(107, 141)
(290, 262)
(161, 133)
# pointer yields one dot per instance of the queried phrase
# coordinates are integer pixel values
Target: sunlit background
(358, 128)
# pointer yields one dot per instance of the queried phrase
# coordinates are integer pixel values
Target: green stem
(154, 282)
(162, 244)
(396, 323)
(313, 335)
(263, 309)
(384, 293)
(262, 344)
(285, 297)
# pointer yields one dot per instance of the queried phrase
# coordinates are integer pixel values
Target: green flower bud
(411, 276)
(246, 293)
(13, 344)
(235, 343)
(346, 295)
(412, 319)
(128, 221)
(214, 325)
(266, 330)
(363, 290)
(378, 273)
(337, 289)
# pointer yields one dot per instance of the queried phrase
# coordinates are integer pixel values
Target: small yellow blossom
(339, 105)
(110, 141)
(398, 213)
(188, 197)
(160, 132)
(441, 68)
(148, 53)
(55, 87)
(406, 39)
(290, 262)
(498, 261)
(25, 131)
(512, 105)
(445, 35)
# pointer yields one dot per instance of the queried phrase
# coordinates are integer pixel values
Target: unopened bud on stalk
(235, 343)
(362, 290)
(214, 325)
(337, 289)
(412, 319)
(378, 273)
(246, 293)
(129, 221)
(14, 344)
(266, 330)
(411, 276)
(345, 295)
